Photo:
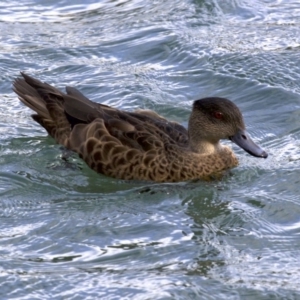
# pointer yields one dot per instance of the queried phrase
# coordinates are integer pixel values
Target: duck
(141, 144)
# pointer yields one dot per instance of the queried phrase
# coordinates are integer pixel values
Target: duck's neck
(205, 147)
(201, 140)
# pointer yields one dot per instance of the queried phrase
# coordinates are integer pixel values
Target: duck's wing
(174, 130)
(132, 129)
(84, 110)
(72, 119)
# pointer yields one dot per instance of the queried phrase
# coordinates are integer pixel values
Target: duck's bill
(242, 139)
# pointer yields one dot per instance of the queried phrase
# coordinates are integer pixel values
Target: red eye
(217, 115)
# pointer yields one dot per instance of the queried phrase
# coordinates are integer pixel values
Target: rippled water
(68, 233)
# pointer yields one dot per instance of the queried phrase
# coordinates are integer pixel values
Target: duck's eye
(217, 115)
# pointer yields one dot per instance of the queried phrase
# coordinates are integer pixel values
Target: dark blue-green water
(69, 233)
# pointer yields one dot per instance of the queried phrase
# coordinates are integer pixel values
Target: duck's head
(213, 119)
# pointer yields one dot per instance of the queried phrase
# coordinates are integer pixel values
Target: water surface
(68, 233)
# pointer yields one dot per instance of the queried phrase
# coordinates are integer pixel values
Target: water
(68, 233)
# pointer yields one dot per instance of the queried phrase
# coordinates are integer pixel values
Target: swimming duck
(139, 145)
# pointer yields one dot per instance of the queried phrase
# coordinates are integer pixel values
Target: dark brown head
(213, 119)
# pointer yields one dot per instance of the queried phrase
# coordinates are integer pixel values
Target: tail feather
(30, 97)
(47, 102)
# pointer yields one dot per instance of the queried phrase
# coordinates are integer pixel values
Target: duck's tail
(47, 102)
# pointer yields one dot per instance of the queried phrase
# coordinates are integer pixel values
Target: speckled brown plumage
(134, 145)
